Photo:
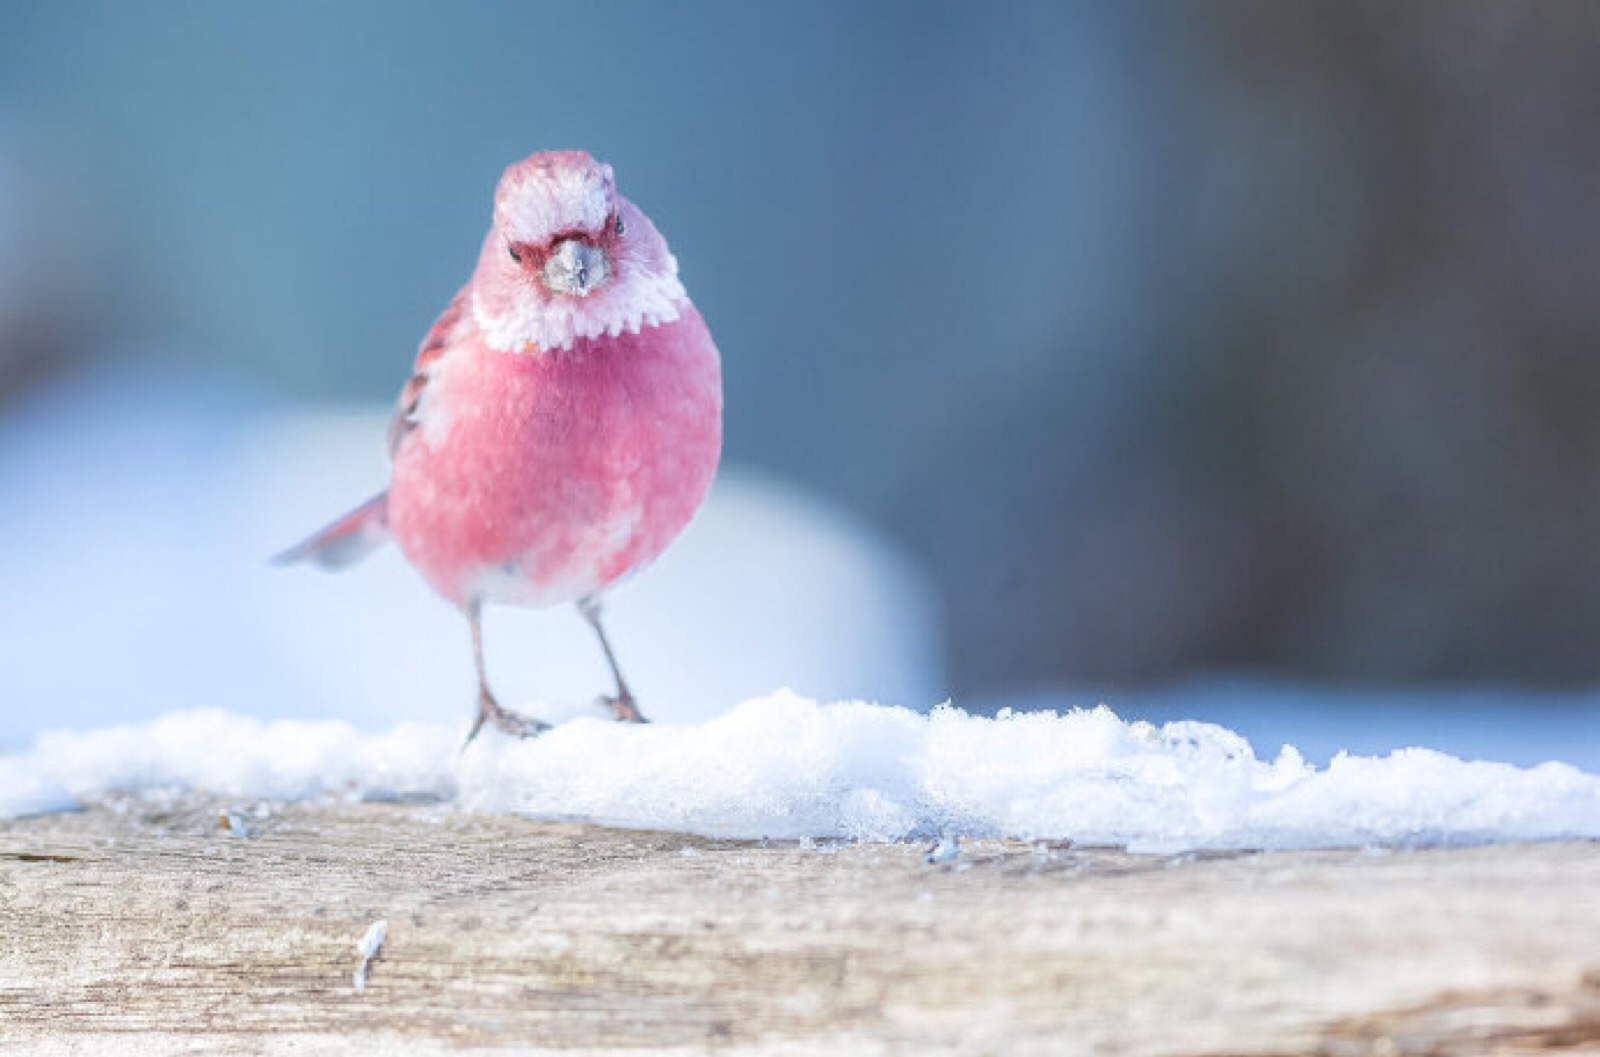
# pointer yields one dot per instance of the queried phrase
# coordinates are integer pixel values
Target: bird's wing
(441, 336)
(346, 541)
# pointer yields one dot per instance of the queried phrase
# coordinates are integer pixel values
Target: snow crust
(787, 767)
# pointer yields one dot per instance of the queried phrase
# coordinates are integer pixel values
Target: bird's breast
(541, 478)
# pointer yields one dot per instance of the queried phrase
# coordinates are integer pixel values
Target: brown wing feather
(433, 346)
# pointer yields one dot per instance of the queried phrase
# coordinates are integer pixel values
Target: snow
(787, 767)
(24, 791)
(1509, 723)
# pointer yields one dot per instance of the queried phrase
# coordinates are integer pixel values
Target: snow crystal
(790, 768)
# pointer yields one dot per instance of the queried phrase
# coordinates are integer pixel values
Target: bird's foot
(622, 707)
(504, 720)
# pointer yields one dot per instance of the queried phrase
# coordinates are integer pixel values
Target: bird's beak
(576, 268)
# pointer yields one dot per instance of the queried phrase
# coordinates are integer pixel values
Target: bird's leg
(622, 705)
(489, 710)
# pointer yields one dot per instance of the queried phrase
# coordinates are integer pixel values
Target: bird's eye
(619, 224)
(516, 254)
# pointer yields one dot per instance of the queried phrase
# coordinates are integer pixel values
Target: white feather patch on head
(516, 314)
(559, 195)
(544, 200)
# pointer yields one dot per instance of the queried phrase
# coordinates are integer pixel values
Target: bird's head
(568, 258)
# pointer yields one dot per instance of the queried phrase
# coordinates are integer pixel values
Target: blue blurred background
(1166, 340)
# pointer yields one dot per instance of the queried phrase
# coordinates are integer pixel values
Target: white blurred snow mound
(787, 767)
(141, 507)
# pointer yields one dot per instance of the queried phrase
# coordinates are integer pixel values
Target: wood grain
(145, 927)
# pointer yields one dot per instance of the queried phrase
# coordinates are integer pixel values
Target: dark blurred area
(1168, 338)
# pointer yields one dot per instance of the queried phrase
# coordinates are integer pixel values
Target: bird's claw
(504, 720)
(621, 707)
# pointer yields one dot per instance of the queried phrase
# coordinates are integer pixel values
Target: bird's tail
(346, 541)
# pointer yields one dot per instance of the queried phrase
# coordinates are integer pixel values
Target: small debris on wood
(946, 851)
(234, 825)
(369, 947)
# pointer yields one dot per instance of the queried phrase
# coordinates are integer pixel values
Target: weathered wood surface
(138, 929)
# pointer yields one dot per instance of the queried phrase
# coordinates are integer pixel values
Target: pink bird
(562, 423)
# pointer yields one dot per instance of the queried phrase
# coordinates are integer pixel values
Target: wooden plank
(142, 927)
